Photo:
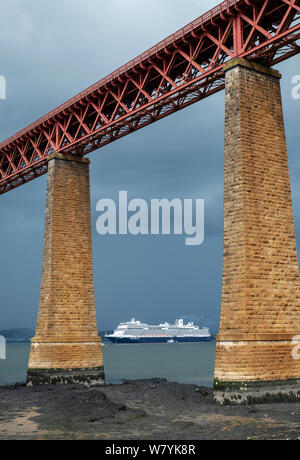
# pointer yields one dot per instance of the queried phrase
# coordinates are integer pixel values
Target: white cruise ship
(137, 332)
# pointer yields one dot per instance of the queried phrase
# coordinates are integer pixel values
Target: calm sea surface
(178, 362)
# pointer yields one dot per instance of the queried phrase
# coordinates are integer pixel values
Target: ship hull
(122, 340)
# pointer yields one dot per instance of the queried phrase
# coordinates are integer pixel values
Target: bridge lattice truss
(183, 69)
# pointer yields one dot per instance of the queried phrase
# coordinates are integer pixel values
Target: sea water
(177, 362)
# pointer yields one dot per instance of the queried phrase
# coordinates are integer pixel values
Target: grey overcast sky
(49, 52)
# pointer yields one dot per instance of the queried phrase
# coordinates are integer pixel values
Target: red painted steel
(181, 70)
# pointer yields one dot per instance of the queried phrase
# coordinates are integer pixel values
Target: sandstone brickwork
(67, 335)
(260, 312)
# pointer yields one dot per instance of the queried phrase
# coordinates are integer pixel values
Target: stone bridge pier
(260, 312)
(67, 348)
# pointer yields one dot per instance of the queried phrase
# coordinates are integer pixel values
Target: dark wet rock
(146, 409)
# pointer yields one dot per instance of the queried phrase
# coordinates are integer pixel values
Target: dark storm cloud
(49, 52)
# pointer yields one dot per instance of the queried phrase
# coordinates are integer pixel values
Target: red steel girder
(179, 71)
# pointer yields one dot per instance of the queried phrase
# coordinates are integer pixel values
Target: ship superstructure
(138, 332)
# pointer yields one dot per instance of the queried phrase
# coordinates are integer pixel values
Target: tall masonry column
(260, 312)
(67, 348)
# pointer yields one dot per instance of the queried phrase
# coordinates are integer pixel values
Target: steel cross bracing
(183, 69)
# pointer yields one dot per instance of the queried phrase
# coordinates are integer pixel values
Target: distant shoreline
(22, 335)
(17, 340)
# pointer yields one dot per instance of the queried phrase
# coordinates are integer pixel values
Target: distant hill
(17, 335)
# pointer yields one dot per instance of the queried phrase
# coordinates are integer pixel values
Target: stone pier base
(258, 393)
(86, 377)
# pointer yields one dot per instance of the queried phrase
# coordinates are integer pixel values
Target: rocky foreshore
(151, 409)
